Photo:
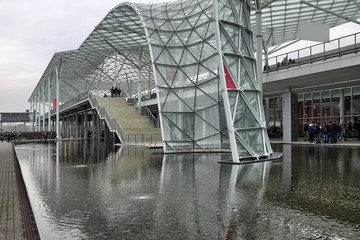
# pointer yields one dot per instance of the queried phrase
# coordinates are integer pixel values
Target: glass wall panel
(326, 95)
(335, 107)
(325, 109)
(316, 109)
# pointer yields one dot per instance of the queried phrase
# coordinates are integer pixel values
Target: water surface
(89, 190)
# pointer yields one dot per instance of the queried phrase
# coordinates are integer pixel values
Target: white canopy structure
(199, 57)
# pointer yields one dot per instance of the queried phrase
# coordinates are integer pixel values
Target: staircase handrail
(113, 124)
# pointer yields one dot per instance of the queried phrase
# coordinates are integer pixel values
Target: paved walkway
(16, 218)
(10, 219)
(353, 142)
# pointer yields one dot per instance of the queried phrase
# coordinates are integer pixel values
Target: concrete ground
(10, 218)
(16, 217)
(351, 142)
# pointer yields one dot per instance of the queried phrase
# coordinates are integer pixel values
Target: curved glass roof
(117, 47)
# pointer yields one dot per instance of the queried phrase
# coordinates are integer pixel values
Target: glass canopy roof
(117, 47)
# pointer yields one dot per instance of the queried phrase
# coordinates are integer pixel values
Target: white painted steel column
(49, 105)
(342, 106)
(267, 112)
(32, 116)
(290, 116)
(223, 89)
(259, 48)
(38, 113)
(139, 98)
(43, 108)
(57, 103)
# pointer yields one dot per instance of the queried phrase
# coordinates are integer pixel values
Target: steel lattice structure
(199, 56)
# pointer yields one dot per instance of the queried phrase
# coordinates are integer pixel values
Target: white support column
(31, 116)
(76, 125)
(139, 84)
(342, 106)
(49, 105)
(57, 75)
(139, 98)
(259, 48)
(289, 116)
(38, 113)
(267, 112)
(43, 109)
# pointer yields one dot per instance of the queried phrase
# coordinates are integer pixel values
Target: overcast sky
(31, 31)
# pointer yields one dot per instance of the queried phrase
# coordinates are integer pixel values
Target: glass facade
(208, 97)
(322, 106)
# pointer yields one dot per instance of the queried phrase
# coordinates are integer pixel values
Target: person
(350, 129)
(2, 137)
(312, 129)
(333, 132)
(342, 131)
(119, 92)
(112, 91)
(115, 91)
(19, 136)
(317, 132)
(325, 132)
(306, 131)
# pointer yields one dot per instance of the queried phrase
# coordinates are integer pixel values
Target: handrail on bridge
(318, 52)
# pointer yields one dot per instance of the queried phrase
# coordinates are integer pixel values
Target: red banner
(54, 103)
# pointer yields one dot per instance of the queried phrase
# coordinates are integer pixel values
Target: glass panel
(356, 91)
(210, 142)
(316, 95)
(347, 92)
(307, 97)
(335, 93)
(243, 116)
(300, 97)
(326, 109)
(202, 128)
(241, 150)
(317, 108)
(300, 109)
(181, 126)
(355, 106)
(308, 109)
(326, 95)
(347, 106)
(335, 107)
(252, 98)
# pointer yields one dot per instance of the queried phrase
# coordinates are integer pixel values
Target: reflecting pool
(90, 190)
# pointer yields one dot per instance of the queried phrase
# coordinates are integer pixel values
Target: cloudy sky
(31, 31)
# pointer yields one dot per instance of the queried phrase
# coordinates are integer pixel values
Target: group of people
(284, 62)
(329, 131)
(115, 92)
(10, 136)
(45, 135)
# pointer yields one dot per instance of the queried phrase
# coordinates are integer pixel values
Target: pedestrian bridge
(335, 64)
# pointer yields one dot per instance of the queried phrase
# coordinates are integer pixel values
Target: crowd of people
(10, 136)
(330, 132)
(115, 92)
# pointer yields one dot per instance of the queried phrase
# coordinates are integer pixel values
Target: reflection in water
(90, 190)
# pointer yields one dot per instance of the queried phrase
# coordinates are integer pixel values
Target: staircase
(123, 119)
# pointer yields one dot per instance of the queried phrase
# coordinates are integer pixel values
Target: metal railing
(146, 112)
(320, 52)
(145, 140)
(114, 125)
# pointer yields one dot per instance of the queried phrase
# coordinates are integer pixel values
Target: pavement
(349, 142)
(10, 218)
(16, 216)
